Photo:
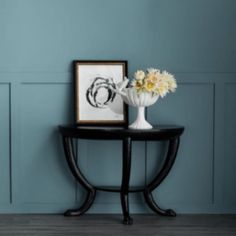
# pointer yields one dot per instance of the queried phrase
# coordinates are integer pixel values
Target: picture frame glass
(96, 101)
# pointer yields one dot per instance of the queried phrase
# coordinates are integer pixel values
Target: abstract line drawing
(100, 93)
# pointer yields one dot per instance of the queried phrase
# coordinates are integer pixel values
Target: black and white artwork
(96, 101)
(101, 92)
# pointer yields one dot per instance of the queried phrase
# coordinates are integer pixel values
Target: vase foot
(140, 122)
(140, 125)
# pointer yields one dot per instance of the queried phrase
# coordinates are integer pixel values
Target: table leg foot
(153, 206)
(127, 220)
(170, 212)
(86, 205)
(73, 212)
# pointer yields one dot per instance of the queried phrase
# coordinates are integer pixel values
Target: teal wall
(194, 39)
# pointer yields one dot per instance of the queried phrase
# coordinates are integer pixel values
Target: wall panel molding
(193, 107)
(5, 143)
(40, 114)
(229, 191)
(24, 91)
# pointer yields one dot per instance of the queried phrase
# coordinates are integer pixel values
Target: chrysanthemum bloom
(162, 88)
(154, 81)
(149, 85)
(138, 85)
(139, 75)
(169, 78)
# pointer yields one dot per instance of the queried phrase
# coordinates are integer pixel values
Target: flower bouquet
(144, 90)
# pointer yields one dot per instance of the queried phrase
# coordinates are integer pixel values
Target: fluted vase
(141, 100)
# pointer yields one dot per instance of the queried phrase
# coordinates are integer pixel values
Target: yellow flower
(149, 85)
(154, 77)
(162, 88)
(139, 75)
(151, 77)
(137, 84)
(154, 81)
(169, 78)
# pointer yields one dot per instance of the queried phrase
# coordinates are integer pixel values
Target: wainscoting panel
(39, 177)
(42, 172)
(5, 155)
(229, 140)
(190, 181)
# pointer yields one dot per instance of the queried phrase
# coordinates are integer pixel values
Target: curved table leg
(126, 162)
(91, 191)
(169, 161)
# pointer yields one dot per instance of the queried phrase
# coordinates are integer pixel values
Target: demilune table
(168, 133)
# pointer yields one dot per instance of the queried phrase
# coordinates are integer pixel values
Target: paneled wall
(194, 39)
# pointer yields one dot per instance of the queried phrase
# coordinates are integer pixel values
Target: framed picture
(95, 100)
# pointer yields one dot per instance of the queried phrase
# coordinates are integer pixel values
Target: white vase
(139, 100)
(140, 122)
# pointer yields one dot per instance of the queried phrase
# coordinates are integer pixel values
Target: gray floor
(182, 225)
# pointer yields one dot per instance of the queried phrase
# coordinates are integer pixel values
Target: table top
(158, 132)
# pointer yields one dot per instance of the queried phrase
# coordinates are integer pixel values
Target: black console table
(158, 133)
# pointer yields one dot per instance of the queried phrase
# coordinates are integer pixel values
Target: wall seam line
(213, 144)
(10, 142)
